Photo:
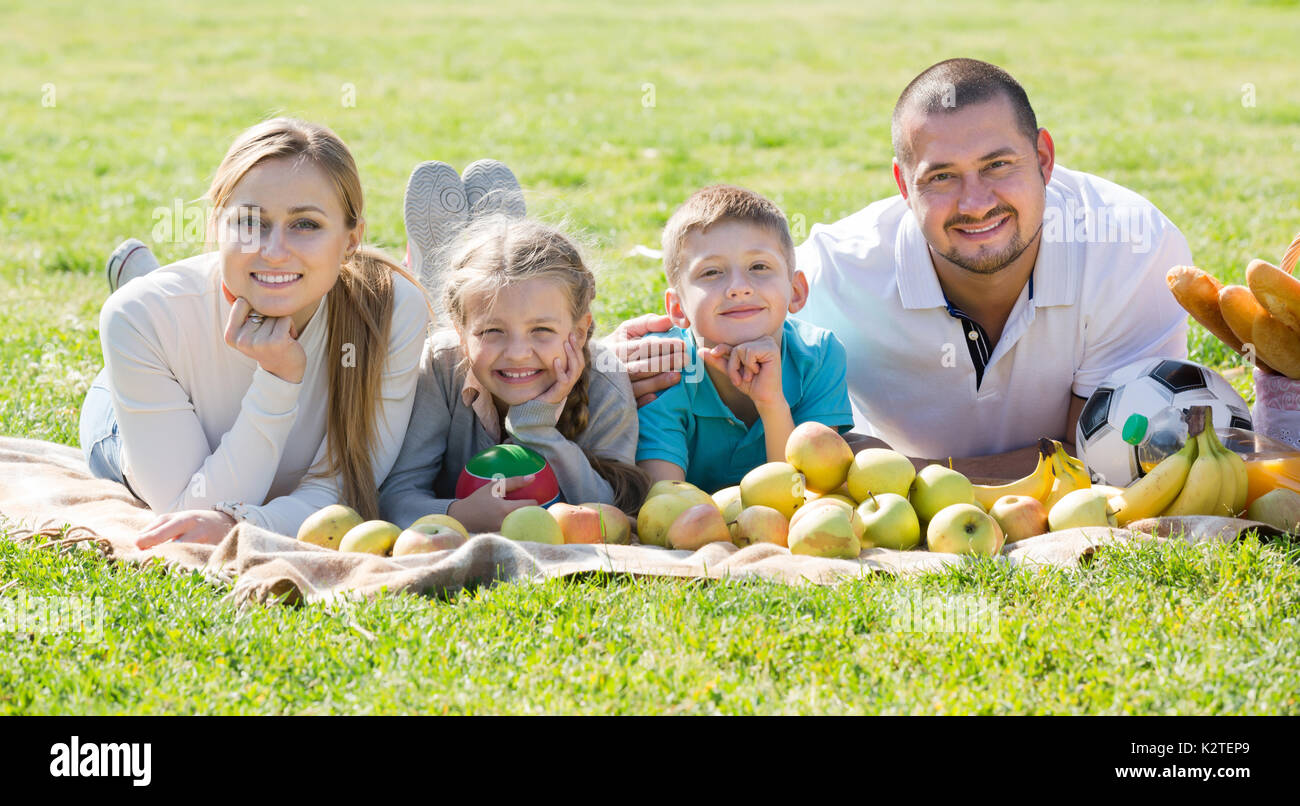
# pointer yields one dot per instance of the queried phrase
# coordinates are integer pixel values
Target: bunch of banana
(1070, 475)
(1036, 485)
(1204, 478)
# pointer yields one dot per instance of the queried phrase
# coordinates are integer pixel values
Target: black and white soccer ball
(1146, 387)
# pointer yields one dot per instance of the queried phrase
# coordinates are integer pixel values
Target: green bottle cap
(1135, 428)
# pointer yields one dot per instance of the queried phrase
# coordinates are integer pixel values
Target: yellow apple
(659, 512)
(964, 529)
(698, 526)
(532, 524)
(889, 522)
(1020, 516)
(371, 537)
(1087, 507)
(775, 484)
(937, 487)
(326, 526)
(760, 524)
(825, 532)
(820, 454)
(445, 520)
(880, 470)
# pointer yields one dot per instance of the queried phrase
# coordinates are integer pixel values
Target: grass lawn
(115, 115)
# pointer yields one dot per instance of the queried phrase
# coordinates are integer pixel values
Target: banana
(1036, 485)
(1070, 475)
(1234, 472)
(1200, 493)
(1228, 494)
(1154, 492)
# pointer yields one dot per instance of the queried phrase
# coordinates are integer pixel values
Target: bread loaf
(1274, 343)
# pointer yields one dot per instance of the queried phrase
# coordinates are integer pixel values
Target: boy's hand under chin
(754, 368)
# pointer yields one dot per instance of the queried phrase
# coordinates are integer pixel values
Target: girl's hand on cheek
(567, 372)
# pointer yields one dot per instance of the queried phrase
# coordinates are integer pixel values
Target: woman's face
(283, 237)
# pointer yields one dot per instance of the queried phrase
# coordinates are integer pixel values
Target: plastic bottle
(1157, 437)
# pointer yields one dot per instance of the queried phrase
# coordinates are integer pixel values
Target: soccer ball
(1146, 387)
(508, 461)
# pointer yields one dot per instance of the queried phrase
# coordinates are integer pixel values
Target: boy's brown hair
(716, 203)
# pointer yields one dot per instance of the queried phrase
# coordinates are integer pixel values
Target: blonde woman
(271, 377)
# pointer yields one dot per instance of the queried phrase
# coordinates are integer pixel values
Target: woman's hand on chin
(187, 526)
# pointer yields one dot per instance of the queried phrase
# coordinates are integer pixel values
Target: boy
(729, 260)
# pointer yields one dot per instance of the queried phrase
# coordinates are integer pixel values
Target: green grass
(792, 100)
(1142, 630)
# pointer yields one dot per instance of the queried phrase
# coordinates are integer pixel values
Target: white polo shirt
(926, 380)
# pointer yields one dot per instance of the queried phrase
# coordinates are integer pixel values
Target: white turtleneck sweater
(201, 423)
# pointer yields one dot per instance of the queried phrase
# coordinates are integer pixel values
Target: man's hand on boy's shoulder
(653, 365)
(753, 367)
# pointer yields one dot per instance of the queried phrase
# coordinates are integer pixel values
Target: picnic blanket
(46, 489)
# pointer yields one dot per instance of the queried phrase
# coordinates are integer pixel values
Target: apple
(1279, 509)
(728, 502)
(827, 531)
(445, 520)
(326, 526)
(889, 522)
(615, 525)
(532, 524)
(964, 529)
(1087, 507)
(760, 524)
(776, 484)
(1020, 516)
(698, 526)
(670, 486)
(425, 538)
(820, 454)
(659, 512)
(880, 470)
(937, 487)
(371, 537)
(833, 501)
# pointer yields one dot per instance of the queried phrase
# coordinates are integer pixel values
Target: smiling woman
(273, 376)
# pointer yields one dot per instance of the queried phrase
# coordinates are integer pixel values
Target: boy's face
(735, 285)
(513, 346)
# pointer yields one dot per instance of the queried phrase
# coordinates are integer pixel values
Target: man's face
(977, 184)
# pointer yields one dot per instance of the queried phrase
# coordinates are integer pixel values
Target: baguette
(1198, 292)
(1292, 255)
(1274, 343)
(1277, 291)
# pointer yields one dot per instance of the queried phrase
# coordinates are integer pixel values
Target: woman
(269, 378)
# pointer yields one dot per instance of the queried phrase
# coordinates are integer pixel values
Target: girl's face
(282, 238)
(513, 346)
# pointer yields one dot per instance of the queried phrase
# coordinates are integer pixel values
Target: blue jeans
(100, 442)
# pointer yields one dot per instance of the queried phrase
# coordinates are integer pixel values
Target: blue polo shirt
(691, 427)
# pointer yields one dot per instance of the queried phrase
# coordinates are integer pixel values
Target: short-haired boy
(729, 260)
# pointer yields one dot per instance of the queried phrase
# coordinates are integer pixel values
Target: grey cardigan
(444, 434)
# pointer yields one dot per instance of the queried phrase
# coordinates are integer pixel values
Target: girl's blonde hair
(496, 251)
(360, 308)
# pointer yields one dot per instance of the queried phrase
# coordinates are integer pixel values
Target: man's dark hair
(952, 84)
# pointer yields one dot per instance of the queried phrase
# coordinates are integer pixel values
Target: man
(982, 306)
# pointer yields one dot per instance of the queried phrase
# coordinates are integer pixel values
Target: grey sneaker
(130, 260)
(490, 187)
(435, 211)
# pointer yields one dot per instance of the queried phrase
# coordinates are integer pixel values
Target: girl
(273, 376)
(518, 364)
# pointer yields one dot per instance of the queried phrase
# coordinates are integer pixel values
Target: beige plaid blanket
(46, 489)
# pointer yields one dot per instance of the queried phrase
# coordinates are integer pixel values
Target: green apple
(880, 470)
(1020, 516)
(889, 522)
(826, 531)
(371, 537)
(532, 524)
(423, 538)
(963, 529)
(937, 487)
(1279, 509)
(1087, 507)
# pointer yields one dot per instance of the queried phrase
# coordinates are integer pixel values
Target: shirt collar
(479, 400)
(1057, 272)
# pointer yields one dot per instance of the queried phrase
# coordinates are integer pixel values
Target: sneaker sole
(491, 187)
(434, 211)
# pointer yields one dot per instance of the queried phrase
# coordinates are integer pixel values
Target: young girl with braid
(518, 366)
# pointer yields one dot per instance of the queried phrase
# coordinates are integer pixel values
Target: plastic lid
(1135, 428)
